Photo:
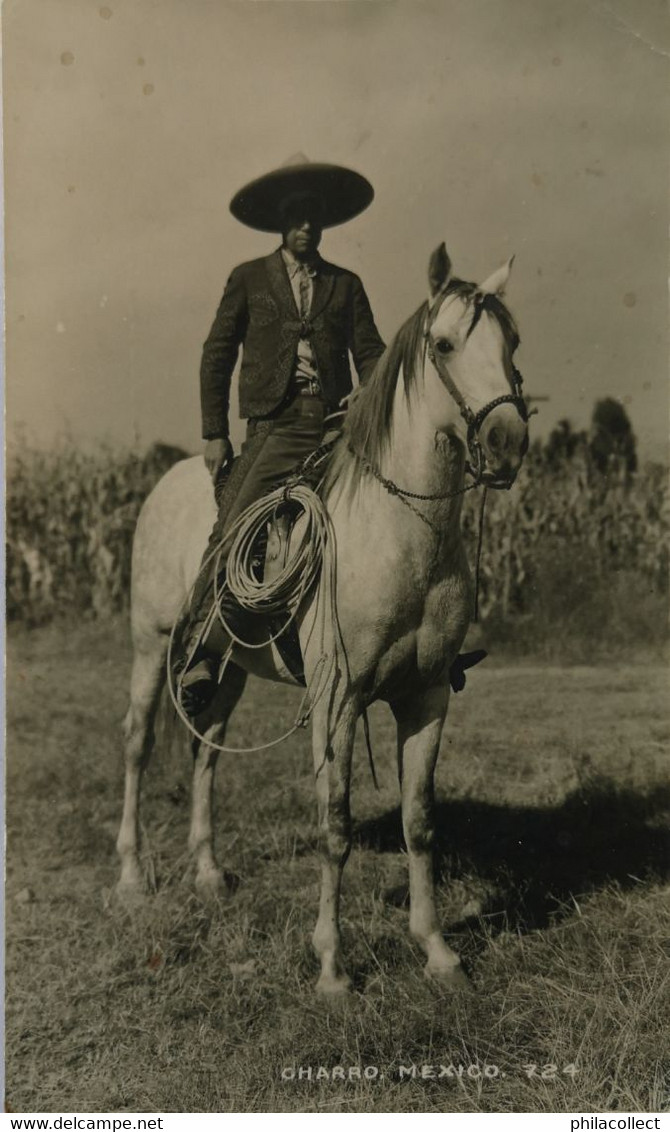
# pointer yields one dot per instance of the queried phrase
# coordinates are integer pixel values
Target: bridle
(476, 465)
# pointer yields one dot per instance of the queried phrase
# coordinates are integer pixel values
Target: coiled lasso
(314, 558)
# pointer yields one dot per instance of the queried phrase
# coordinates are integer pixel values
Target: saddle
(273, 548)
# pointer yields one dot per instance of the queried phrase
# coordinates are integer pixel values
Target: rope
(480, 540)
(301, 571)
(368, 744)
(315, 557)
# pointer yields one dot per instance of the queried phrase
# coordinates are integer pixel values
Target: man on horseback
(297, 319)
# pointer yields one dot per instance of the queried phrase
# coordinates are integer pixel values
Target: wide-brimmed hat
(342, 192)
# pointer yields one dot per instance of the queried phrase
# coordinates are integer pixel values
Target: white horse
(444, 396)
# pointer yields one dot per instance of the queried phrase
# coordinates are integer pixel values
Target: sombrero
(343, 193)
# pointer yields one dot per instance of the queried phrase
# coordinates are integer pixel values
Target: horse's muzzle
(504, 442)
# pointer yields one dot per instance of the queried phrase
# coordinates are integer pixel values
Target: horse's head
(470, 342)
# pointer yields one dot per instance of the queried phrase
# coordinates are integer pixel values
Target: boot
(196, 667)
(194, 670)
(463, 661)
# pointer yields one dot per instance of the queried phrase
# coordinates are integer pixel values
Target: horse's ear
(439, 270)
(496, 283)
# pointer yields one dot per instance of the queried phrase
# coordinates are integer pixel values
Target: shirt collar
(293, 265)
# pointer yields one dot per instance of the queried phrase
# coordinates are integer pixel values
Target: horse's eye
(443, 346)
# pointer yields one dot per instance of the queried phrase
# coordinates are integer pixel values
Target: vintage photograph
(337, 544)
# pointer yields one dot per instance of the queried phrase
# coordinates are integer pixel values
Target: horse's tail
(171, 740)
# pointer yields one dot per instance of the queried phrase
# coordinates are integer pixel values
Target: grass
(553, 861)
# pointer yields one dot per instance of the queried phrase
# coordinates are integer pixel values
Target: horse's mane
(367, 426)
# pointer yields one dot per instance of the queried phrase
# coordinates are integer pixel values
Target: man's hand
(217, 453)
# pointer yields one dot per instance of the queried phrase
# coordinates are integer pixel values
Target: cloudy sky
(530, 126)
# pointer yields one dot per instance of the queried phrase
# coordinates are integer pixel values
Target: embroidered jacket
(258, 312)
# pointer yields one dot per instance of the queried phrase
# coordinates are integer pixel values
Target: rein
(393, 488)
(405, 496)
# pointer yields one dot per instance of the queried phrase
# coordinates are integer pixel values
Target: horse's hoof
(130, 894)
(334, 989)
(215, 885)
(453, 980)
(210, 886)
(232, 881)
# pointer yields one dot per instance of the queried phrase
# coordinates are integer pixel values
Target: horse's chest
(418, 643)
(442, 623)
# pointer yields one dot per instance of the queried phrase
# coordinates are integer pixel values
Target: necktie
(305, 290)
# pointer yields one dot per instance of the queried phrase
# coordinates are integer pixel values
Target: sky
(534, 127)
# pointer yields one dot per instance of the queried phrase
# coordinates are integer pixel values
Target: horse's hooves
(130, 894)
(334, 989)
(232, 882)
(451, 979)
(210, 887)
(216, 885)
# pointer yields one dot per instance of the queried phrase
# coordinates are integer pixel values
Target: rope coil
(313, 559)
(303, 567)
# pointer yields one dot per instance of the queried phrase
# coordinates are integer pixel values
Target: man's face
(302, 227)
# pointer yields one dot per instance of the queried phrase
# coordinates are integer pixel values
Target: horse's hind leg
(420, 723)
(208, 877)
(332, 768)
(146, 683)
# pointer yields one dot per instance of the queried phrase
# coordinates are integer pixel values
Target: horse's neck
(422, 460)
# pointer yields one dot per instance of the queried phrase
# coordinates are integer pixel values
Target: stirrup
(196, 686)
(463, 661)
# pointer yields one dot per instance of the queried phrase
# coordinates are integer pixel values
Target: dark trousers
(273, 447)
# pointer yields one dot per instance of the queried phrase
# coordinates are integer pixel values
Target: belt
(307, 387)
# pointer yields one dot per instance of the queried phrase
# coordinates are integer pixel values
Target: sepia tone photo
(337, 556)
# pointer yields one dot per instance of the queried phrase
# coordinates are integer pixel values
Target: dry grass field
(553, 859)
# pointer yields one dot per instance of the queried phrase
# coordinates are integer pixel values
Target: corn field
(70, 521)
(565, 519)
(566, 541)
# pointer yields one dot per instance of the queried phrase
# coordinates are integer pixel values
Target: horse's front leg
(332, 746)
(208, 876)
(420, 723)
